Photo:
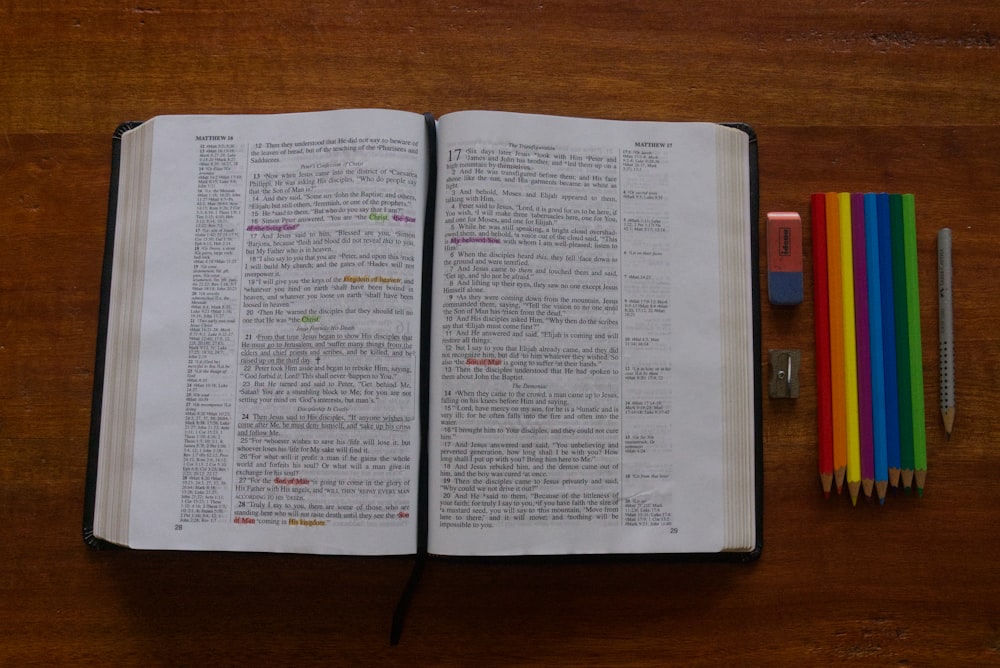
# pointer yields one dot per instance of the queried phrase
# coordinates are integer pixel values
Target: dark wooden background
(845, 95)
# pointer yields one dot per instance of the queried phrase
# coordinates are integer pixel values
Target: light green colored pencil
(915, 348)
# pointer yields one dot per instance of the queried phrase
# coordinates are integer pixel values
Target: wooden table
(897, 96)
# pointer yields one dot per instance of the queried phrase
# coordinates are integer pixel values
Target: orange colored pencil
(835, 284)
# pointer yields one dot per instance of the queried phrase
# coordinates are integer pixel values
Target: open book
(367, 332)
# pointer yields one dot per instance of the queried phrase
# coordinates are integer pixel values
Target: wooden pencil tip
(881, 487)
(854, 488)
(948, 415)
(826, 481)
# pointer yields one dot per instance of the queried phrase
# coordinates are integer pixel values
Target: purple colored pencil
(862, 334)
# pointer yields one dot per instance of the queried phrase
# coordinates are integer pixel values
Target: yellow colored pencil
(852, 426)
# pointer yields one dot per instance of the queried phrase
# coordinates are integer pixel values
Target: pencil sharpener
(784, 379)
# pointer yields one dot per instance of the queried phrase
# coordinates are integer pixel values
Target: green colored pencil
(914, 345)
(901, 313)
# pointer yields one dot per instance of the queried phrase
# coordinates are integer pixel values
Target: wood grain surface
(900, 95)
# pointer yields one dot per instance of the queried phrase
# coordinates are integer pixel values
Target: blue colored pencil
(879, 442)
(888, 340)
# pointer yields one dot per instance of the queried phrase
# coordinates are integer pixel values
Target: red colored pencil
(821, 316)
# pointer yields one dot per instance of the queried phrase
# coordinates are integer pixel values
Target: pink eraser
(784, 258)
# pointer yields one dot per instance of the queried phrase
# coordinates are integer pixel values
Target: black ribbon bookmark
(399, 616)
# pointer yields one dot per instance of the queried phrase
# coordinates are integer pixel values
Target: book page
(577, 378)
(278, 362)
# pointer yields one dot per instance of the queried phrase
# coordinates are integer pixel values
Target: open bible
(370, 332)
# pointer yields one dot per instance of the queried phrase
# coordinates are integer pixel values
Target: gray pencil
(946, 348)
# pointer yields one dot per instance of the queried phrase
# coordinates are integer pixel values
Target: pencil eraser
(784, 258)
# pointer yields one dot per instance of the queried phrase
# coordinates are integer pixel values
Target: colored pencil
(889, 354)
(903, 375)
(821, 318)
(836, 289)
(914, 346)
(862, 334)
(850, 350)
(879, 443)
